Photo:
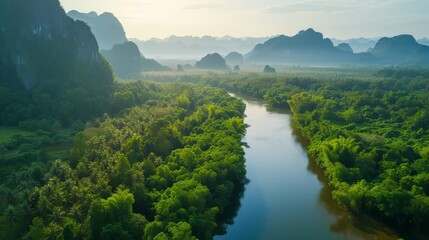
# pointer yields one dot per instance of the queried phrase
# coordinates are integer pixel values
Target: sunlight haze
(145, 19)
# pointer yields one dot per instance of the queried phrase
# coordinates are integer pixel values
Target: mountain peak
(106, 27)
(309, 30)
(310, 33)
(105, 14)
(306, 46)
(93, 14)
(400, 46)
(212, 61)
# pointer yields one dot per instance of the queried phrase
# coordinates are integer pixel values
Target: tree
(177, 231)
(37, 230)
(115, 231)
(122, 171)
(133, 148)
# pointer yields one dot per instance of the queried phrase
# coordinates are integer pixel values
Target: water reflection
(227, 218)
(347, 224)
(288, 197)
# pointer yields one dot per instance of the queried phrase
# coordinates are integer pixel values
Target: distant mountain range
(364, 44)
(357, 44)
(306, 47)
(106, 27)
(188, 47)
(309, 47)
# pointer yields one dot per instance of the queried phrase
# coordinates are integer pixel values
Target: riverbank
(287, 197)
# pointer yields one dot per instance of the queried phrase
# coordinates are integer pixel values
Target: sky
(342, 19)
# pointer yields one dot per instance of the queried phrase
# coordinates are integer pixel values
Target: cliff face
(106, 27)
(39, 41)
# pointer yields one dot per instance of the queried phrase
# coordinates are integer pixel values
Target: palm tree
(57, 216)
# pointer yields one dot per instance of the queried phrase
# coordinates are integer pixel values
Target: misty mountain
(212, 61)
(234, 58)
(358, 44)
(127, 61)
(307, 46)
(188, 47)
(46, 60)
(401, 50)
(345, 47)
(106, 27)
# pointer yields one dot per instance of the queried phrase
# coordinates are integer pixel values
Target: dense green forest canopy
(166, 158)
(165, 167)
(368, 132)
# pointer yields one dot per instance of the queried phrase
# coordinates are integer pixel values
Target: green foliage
(374, 154)
(164, 169)
(176, 231)
(368, 132)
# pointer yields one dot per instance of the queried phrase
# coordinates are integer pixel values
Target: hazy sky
(145, 19)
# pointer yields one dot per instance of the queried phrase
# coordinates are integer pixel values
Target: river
(287, 197)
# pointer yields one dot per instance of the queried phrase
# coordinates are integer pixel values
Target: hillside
(47, 59)
(106, 27)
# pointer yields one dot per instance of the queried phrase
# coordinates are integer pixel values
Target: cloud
(203, 6)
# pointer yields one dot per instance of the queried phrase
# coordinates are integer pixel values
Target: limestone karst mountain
(106, 27)
(212, 61)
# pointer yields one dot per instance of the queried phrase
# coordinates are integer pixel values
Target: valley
(285, 133)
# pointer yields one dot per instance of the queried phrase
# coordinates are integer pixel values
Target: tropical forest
(110, 131)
